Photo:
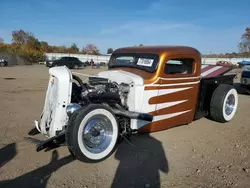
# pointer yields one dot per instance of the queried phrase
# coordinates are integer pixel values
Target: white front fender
(58, 96)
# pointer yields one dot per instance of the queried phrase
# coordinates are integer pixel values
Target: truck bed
(209, 71)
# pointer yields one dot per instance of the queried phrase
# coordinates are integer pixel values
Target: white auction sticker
(145, 62)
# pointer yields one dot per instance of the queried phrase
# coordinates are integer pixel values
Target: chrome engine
(100, 90)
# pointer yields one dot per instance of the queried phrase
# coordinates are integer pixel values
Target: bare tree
(244, 45)
(91, 49)
(21, 37)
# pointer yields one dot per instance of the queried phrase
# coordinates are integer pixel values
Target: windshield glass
(144, 61)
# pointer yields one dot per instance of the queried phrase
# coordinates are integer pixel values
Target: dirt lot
(201, 154)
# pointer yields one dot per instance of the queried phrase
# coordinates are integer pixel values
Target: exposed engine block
(100, 90)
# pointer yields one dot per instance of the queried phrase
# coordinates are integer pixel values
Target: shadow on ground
(7, 153)
(38, 178)
(140, 166)
(140, 163)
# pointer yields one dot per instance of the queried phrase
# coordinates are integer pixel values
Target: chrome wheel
(92, 133)
(97, 134)
(230, 104)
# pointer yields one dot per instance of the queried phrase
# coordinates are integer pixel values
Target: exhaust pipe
(71, 108)
(133, 115)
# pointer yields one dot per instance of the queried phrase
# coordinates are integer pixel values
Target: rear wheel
(224, 103)
(92, 133)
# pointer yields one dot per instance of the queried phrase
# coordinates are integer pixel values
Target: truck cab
(169, 82)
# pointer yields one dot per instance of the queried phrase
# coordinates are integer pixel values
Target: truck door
(177, 95)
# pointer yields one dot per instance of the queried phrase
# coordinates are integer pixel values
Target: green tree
(74, 48)
(33, 43)
(5, 47)
(110, 51)
(44, 46)
(27, 45)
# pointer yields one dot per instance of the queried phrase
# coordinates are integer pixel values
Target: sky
(211, 26)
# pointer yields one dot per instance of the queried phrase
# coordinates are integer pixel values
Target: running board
(55, 140)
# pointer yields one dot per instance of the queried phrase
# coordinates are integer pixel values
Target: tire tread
(75, 118)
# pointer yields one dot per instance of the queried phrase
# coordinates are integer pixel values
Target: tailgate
(208, 71)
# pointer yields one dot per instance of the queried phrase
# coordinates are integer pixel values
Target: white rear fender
(58, 96)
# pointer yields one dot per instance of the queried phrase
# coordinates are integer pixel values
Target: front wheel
(92, 133)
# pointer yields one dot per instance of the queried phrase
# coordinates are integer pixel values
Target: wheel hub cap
(97, 134)
(230, 104)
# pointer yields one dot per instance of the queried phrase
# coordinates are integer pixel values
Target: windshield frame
(151, 69)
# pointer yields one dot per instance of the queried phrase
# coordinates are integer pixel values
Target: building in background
(105, 58)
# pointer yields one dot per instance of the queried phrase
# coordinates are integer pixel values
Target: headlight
(71, 108)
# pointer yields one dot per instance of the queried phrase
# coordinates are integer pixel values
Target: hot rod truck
(145, 89)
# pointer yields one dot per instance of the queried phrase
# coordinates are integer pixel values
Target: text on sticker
(145, 62)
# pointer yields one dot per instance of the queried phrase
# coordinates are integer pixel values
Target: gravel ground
(201, 154)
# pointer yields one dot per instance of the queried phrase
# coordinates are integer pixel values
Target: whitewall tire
(224, 103)
(92, 133)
